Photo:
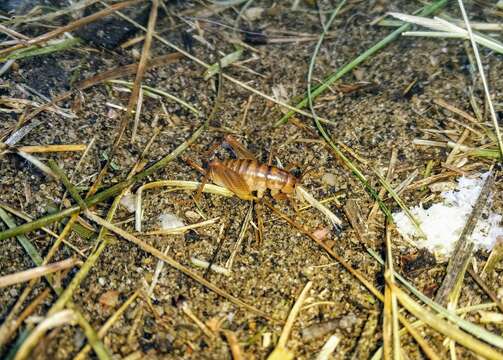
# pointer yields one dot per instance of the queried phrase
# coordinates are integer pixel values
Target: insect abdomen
(260, 177)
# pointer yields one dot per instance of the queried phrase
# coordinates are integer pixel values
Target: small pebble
(442, 186)
(191, 236)
(253, 13)
(329, 179)
(109, 298)
(192, 215)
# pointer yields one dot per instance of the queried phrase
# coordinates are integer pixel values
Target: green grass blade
(427, 10)
(37, 50)
(466, 325)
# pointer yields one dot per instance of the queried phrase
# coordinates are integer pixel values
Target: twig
(464, 246)
(233, 345)
(486, 288)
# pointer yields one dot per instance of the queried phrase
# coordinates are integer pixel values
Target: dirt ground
(373, 109)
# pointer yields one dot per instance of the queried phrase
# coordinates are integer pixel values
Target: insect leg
(260, 221)
(241, 151)
(199, 168)
(225, 176)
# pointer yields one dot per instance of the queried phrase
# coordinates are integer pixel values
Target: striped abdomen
(260, 177)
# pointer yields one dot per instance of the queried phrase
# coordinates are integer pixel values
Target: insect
(246, 175)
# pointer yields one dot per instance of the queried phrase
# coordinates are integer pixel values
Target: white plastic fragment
(129, 202)
(170, 221)
(443, 222)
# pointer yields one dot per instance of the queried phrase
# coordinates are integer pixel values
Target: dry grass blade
(182, 229)
(486, 289)
(37, 272)
(329, 347)
(225, 76)
(480, 67)
(177, 185)
(444, 327)
(468, 326)
(36, 162)
(106, 194)
(105, 76)
(207, 265)
(447, 29)
(400, 203)
(68, 185)
(390, 303)
(108, 324)
(69, 27)
(132, 99)
(30, 149)
(334, 220)
(241, 236)
(184, 306)
(495, 257)
(10, 325)
(281, 351)
(144, 56)
(52, 15)
(424, 346)
(425, 11)
(58, 319)
(158, 254)
(332, 253)
(153, 92)
(232, 339)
